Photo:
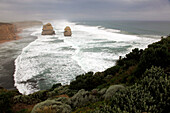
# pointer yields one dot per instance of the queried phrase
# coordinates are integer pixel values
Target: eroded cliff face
(7, 32)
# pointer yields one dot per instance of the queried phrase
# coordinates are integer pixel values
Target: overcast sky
(12, 10)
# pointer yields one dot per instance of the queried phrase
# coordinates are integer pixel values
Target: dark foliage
(6, 100)
(150, 95)
(156, 54)
(41, 95)
(55, 86)
(87, 81)
(131, 59)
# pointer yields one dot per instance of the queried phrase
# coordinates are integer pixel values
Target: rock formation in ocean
(67, 31)
(48, 29)
(7, 32)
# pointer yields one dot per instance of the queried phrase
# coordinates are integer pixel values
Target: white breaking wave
(58, 59)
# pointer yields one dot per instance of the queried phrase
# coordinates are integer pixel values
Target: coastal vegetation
(139, 82)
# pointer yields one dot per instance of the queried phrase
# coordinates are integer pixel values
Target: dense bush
(87, 81)
(130, 59)
(32, 98)
(55, 86)
(25, 99)
(51, 106)
(6, 100)
(150, 95)
(83, 98)
(156, 55)
(111, 71)
(112, 90)
(42, 95)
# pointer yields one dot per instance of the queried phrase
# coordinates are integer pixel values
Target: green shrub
(150, 95)
(25, 99)
(87, 81)
(41, 95)
(55, 86)
(111, 71)
(112, 90)
(6, 101)
(51, 106)
(82, 98)
(157, 55)
(103, 109)
(131, 58)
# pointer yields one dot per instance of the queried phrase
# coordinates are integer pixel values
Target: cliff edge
(7, 32)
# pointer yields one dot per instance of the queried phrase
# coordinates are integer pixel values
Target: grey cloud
(85, 9)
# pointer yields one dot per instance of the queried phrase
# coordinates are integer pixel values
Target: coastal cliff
(7, 32)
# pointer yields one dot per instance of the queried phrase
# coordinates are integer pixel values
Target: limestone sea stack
(48, 29)
(67, 31)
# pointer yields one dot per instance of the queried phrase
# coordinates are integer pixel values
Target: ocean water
(153, 29)
(57, 59)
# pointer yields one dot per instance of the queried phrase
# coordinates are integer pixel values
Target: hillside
(139, 82)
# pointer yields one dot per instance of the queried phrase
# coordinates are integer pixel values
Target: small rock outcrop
(67, 31)
(48, 29)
